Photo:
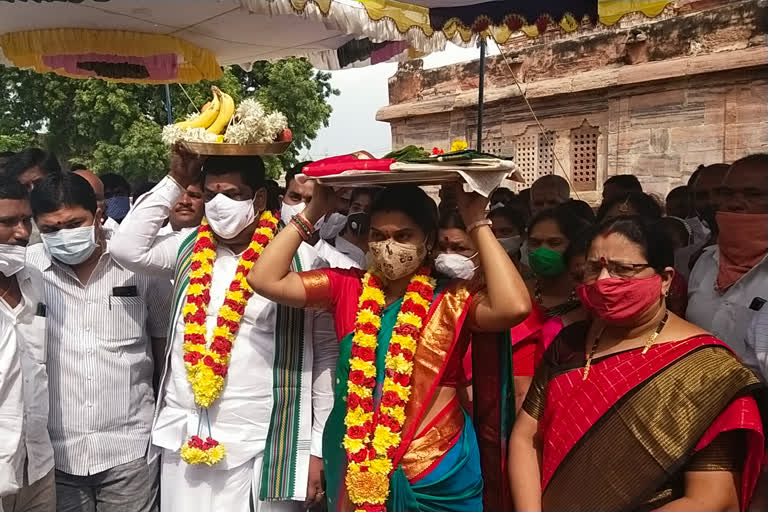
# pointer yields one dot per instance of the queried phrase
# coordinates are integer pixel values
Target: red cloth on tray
(339, 164)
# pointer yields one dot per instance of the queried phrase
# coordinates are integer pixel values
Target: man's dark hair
(580, 209)
(274, 191)
(754, 160)
(250, 168)
(12, 189)
(115, 185)
(625, 182)
(32, 157)
(501, 195)
(516, 214)
(73, 167)
(291, 173)
(644, 204)
(57, 191)
(363, 191)
(142, 188)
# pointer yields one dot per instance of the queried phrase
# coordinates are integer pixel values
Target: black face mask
(358, 223)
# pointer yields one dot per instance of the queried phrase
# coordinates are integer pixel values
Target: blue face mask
(118, 206)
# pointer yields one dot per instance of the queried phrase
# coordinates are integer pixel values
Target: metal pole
(168, 107)
(480, 96)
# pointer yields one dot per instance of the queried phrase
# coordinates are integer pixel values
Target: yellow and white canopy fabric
(166, 41)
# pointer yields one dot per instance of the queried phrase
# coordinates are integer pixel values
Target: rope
(535, 117)
(190, 99)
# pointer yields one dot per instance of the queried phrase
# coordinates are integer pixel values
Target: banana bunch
(214, 116)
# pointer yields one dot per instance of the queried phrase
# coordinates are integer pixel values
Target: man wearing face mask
(26, 456)
(702, 187)
(104, 325)
(509, 225)
(270, 410)
(117, 194)
(729, 283)
(297, 195)
(348, 249)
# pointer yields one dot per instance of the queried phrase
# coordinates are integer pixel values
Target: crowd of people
(215, 341)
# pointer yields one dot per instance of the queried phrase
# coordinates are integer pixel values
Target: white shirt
(757, 343)
(23, 388)
(100, 361)
(727, 315)
(699, 231)
(343, 255)
(110, 226)
(240, 417)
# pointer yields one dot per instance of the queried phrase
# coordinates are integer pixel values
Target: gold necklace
(649, 342)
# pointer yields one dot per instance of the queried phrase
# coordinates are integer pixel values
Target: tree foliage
(116, 127)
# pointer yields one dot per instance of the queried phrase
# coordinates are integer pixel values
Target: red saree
(623, 439)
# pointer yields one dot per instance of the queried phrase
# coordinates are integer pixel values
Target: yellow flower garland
(207, 364)
(371, 440)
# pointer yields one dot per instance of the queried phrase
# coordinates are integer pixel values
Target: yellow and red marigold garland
(207, 366)
(372, 438)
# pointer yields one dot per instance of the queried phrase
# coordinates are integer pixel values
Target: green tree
(116, 127)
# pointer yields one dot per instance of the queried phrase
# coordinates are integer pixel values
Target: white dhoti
(199, 488)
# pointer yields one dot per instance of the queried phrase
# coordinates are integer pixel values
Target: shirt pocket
(123, 322)
(33, 340)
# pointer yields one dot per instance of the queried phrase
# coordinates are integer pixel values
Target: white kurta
(240, 418)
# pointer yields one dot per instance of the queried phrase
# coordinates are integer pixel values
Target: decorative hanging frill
(132, 45)
(114, 55)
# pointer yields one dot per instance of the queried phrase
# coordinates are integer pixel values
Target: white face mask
(287, 211)
(511, 244)
(333, 225)
(12, 258)
(455, 266)
(229, 217)
(71, 246)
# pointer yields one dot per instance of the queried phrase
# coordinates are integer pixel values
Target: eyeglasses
(593, 268)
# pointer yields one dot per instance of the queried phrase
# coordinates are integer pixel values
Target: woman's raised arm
(507, 302)
(271, 275)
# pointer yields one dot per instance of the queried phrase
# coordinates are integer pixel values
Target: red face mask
(618, 300)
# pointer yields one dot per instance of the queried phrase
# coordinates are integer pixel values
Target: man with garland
(247, 385)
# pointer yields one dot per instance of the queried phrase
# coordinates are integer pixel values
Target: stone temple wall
(654, 98)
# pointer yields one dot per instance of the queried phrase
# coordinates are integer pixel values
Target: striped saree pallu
(621, 439)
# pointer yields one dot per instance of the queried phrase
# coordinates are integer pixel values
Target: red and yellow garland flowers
(206, 365)
(372, 437)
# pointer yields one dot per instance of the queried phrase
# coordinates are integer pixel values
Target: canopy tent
(165, 41)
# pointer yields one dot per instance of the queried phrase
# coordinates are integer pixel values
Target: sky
(353, 124)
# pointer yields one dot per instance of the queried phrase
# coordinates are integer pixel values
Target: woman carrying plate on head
(407, 443)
